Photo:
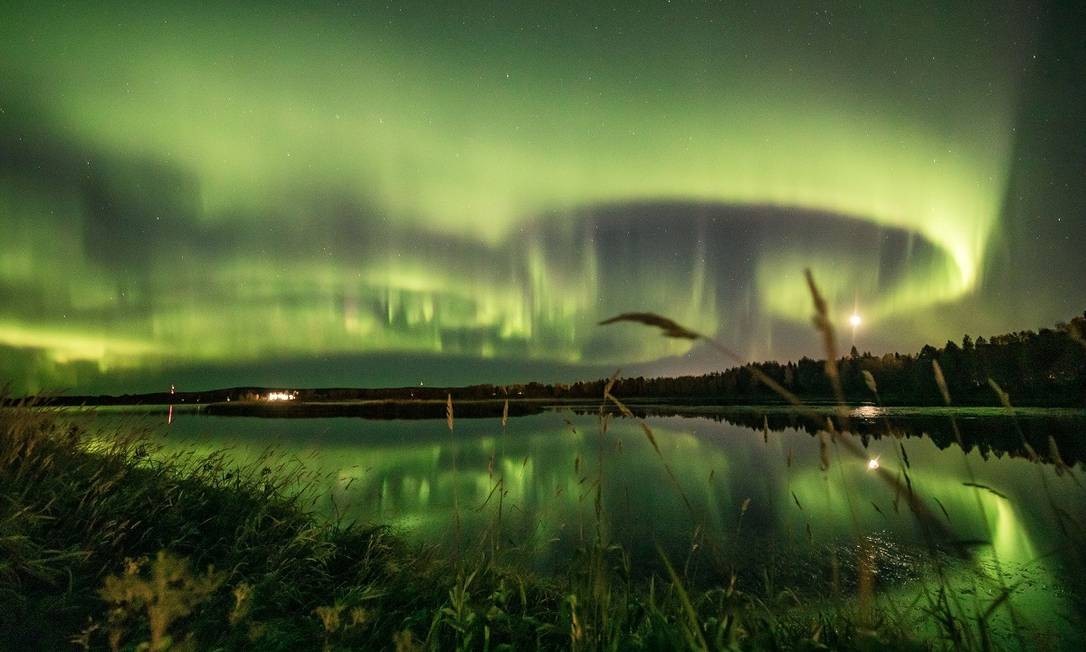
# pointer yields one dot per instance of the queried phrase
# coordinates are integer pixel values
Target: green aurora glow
(187, 188)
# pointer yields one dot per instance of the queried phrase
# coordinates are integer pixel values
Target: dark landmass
(1044, 368)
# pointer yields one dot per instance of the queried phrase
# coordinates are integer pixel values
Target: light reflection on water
(542, 473)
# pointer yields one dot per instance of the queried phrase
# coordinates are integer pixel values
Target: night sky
(360, 194)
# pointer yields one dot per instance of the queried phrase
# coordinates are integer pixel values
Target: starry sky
(360, 193)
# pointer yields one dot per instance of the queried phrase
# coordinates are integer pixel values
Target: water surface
(736, 490)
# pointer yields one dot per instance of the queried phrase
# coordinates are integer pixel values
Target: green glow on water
(414, 474)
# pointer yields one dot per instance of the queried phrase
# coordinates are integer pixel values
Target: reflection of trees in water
(989, 435)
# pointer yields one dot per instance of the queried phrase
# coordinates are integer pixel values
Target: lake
(742, 491)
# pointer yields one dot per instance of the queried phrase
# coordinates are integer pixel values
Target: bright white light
(855, 320)
(281, 396)
(873, 464)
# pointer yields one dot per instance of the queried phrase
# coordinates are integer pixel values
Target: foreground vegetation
(108, 543)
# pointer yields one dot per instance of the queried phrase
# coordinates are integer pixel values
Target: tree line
(1047, 367)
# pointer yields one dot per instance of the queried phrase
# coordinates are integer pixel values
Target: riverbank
(108, 543)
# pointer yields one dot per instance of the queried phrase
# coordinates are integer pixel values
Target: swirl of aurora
(182, 186)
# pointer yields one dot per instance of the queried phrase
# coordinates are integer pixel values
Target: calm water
(803, 527)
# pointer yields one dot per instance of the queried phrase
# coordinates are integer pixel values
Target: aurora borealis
(354, 193)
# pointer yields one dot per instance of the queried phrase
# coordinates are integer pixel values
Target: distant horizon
(627, 373)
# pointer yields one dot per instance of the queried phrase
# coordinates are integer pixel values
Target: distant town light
(282, 396)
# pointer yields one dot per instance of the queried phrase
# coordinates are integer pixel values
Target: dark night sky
(361, 194)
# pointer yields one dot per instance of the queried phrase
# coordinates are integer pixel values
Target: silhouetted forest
(1043, 368)
(1047, 367)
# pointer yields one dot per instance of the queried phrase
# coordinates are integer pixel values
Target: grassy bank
(104, 543)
